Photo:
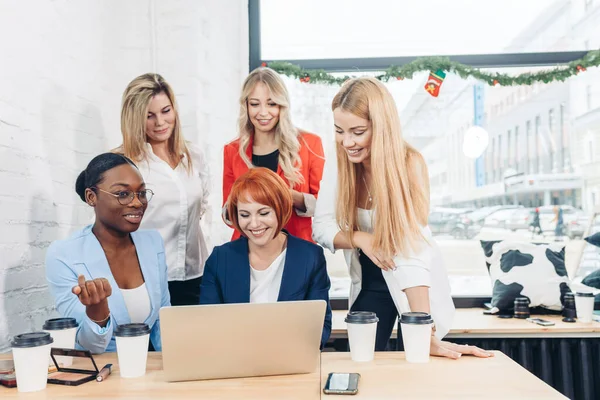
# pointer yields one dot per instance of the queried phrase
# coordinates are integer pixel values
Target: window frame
(498, 60)
(501, 60)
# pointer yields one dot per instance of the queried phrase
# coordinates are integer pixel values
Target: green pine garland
(560, 73)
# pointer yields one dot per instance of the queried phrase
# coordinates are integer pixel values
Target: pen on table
(104, 373)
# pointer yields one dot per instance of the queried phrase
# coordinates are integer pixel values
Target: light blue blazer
(81, 254)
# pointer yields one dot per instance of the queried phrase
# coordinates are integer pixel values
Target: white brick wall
(64, 67)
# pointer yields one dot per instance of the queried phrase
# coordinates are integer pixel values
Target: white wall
(64, 67)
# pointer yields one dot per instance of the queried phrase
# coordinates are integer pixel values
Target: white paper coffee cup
(416, 335)
(132, 349)
(63, 331)
(362, 330)
(584, 304)
(30, 356)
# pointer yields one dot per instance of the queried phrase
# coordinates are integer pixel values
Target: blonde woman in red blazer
(267, 138)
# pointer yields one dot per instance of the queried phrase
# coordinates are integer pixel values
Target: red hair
(262, 186)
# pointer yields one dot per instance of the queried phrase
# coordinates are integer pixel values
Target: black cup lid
(584, 294)
(132, 330)
(361, 317)
(33, 339)
(416, 318)
(56, 324)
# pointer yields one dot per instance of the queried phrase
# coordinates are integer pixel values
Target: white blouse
(180, 200)
(265, 284)
(137, 302)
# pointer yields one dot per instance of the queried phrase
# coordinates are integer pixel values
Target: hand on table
(455, 351)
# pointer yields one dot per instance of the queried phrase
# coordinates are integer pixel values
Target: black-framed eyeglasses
(125, 197)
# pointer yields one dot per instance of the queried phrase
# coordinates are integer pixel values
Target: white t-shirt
(137, 302)
(265, 284)
(179, 203)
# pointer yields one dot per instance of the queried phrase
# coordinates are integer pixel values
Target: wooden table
(153, 386)
(472, 323)
(389, 376)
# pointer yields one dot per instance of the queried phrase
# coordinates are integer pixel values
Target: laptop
(241, 340)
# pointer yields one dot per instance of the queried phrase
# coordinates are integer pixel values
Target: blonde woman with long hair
(177, 172)
(374, 205)
(267, 138)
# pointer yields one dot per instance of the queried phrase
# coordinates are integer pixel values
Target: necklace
(370, 199)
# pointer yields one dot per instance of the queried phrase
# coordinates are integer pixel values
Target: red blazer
(313, 160)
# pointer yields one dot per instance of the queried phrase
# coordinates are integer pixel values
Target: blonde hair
(134, 110)
(400, 183)
(286, 135)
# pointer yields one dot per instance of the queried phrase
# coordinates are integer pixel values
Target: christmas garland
(441, 65)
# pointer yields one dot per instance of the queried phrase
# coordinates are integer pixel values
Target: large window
(541, 137)
(314, 29)
(502, 208)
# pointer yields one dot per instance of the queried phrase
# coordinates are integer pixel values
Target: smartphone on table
(341, 383)
(540, 321)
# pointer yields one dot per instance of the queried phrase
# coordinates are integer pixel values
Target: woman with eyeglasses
(177, 172)
(109, 273)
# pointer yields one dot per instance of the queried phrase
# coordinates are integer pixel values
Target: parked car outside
(499, 218)
(446, 221)
(577, 226)
(520, 219)
(475, 220)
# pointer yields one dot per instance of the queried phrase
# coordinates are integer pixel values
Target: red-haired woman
(266, 264)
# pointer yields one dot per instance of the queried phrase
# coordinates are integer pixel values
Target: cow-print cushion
(594, 239)
(593, 280)
(532, 270)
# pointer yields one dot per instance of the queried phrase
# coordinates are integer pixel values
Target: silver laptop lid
(240, 340)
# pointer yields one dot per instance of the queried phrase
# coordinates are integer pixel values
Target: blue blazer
(227, 276)
(81, 254)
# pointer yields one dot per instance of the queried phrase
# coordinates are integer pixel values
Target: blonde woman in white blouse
(177, 172)
(374, 204)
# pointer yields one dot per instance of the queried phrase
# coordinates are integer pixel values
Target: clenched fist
(93, 295)
(92, 292)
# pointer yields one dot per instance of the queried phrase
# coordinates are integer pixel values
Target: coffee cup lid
(33, 339)
(416, 318)
(584, 294)
(131, 330)
(361, 317)
(56, 324)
